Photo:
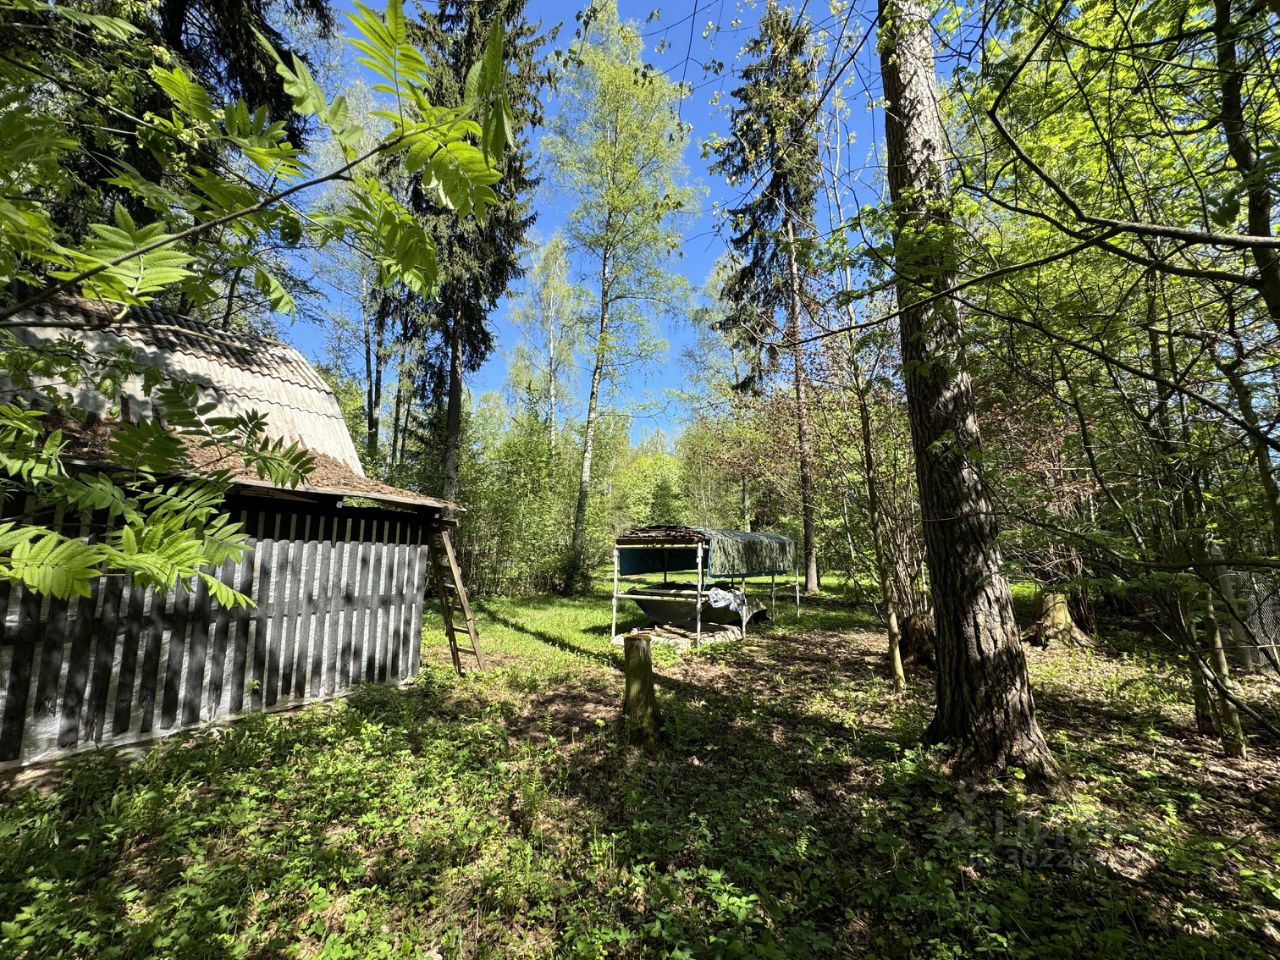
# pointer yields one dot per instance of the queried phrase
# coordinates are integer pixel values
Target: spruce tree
(772, 154)
(478, 261)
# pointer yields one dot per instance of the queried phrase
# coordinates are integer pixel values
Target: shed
(732, 554)
(338, 567)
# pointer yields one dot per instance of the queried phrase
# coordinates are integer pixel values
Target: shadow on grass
(783, 816)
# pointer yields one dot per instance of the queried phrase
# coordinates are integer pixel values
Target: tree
(479, 259)
(162, 534)
(773, 153)
(615, 147)
(549, 313)
(985, 708)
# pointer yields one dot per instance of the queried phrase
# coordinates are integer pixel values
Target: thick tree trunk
(576, 575)
(985, 708)
(453, 411)
(794, 306)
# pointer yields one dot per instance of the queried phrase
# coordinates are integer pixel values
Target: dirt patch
(566, 713)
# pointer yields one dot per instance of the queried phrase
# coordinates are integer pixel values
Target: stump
(918, 642)
(1053, 623)
(639, 703)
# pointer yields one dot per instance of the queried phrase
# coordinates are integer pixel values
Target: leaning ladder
(453, 597)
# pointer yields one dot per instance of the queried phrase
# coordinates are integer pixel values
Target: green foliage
(131, 261)
(219, 186)
(503, 815)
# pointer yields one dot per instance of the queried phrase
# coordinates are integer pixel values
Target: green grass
(786, 814)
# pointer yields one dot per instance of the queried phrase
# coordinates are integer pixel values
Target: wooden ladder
(453, 596)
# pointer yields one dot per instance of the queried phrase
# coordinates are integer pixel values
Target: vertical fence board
(262, 597)
(104, 655)
(340, 670)
(280, 590)
(19, 686)
(323, 598)
(221, 631)
(359, 580)
(301, 573)
(373, 603)
(178, 623)
(194, 686)
(243, 617)
(78, 666)
(413, 608)
(150, 679)
(55, 639)
(398, 651)
(128, 660)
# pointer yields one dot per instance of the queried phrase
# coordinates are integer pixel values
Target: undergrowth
(786, 814)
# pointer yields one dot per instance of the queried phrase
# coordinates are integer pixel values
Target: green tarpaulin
(726, 553)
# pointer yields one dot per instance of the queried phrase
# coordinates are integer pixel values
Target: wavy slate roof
(240, 371)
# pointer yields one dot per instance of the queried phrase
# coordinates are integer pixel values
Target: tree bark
(639, 704)
(576, 576)
(1053, 622)
(453, 410)
(1233, 739)
(875, 520)
(812, 585)
(373, 332)
(1244, 154)
(985, 709)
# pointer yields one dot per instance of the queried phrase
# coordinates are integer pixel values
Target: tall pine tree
(478, 261)
(772, 154)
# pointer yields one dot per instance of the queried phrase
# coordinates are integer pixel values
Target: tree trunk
(372, 375)
(985, 708)
(1233, 740)
(639, 704)
(1244, 649)
(576, 575)
(453, 411)
(794, 305)
(876, 521)
(1257, 185)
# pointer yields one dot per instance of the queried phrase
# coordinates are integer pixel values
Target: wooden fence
(339, 598)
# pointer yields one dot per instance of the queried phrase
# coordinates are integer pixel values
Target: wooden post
(639, 705)
(773, 594)
(613, 631)
(697, 640)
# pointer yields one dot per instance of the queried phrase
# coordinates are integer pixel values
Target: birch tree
(615, 148)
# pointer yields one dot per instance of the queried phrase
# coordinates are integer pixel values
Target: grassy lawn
(787, 815)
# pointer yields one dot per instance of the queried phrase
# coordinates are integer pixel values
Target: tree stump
(639, 703)
(1053, 622)
(918, 643)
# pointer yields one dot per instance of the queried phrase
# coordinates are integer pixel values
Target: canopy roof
(726, 553)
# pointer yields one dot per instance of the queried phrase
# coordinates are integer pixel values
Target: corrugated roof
(240, 371)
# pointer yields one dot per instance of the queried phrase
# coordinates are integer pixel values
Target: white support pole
(795, 575)
(773, 594)
(613, 632)
(697, 640)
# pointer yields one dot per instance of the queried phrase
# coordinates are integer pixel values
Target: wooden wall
(339, 595)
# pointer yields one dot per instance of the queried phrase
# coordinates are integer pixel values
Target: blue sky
(679, 38)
